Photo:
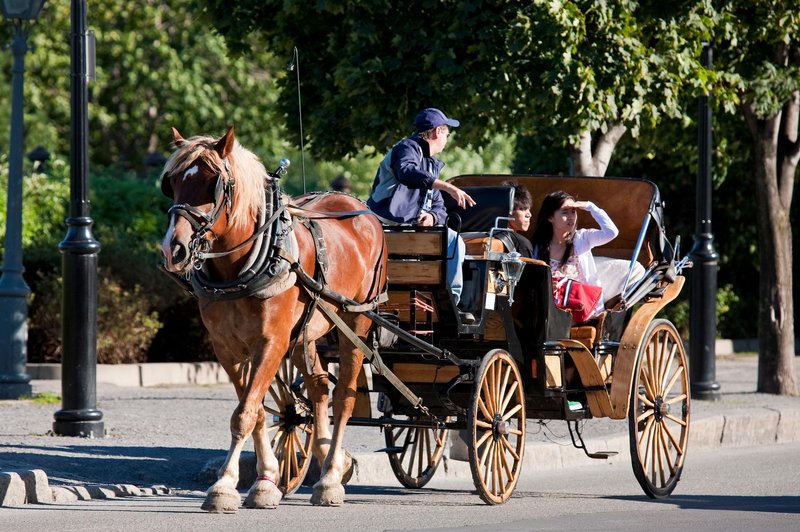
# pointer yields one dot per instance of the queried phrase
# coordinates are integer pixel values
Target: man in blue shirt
(407, 188)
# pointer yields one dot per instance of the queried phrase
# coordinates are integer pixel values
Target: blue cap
(430, 118)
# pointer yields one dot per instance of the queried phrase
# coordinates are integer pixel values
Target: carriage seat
(490, 203)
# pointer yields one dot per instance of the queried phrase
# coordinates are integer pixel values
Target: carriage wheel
(421, 454)
(496, 427)
(658, 416)
(292, 429)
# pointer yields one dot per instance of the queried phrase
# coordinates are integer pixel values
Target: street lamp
(14, 382)
(79, 415)
(703, 301)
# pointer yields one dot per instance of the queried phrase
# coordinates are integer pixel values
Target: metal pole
(79, 415)
(703, 309)
(14, 382)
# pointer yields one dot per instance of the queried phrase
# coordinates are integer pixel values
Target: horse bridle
(202, 222)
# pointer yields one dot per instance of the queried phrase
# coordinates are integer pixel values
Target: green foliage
(157, 66)
(125, 324)
(510, 66)
(43, 398)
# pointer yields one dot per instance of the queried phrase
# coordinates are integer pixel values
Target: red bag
(579, 298)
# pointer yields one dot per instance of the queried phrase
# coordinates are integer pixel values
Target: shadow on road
(176, 467)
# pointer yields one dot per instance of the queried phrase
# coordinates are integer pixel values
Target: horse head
(199, 177)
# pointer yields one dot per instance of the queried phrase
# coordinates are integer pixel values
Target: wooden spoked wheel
(292, 428)
(419, 452)
(658, 417)
(496, 427)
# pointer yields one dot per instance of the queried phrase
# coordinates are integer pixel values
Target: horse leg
(264, 493)
(222, 496)
(317, 386)
(328, 491)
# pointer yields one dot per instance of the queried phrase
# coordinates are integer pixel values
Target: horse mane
(247, 171)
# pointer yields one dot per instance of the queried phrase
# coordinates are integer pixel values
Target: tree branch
(605, 146)
(790, 147)
(581, 154)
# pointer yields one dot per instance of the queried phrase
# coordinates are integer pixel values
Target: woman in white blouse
(557, 240)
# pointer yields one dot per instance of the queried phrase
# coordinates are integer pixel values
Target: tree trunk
(776, 153)
(594, 162)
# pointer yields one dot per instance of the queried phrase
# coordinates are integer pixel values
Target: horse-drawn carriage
(520, 358)
(525, 360)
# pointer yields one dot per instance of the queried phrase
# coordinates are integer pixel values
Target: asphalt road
(745, 488)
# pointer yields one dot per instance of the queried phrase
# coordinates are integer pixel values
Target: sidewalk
(163, 437)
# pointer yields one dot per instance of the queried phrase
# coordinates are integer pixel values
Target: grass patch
(44, 398)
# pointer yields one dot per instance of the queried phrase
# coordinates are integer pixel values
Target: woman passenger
(567, 249)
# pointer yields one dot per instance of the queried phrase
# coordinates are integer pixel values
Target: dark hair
(522, 197)
(543, 231)
(341, 184)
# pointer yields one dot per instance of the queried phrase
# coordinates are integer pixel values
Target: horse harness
(273, 267)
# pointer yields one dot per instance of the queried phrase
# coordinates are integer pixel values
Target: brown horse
(229, 221)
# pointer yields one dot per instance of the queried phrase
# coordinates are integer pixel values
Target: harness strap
(266, 225)
(372, 356)
(319, 245)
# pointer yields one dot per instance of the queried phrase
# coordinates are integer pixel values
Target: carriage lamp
(14, 382)
(513, 266)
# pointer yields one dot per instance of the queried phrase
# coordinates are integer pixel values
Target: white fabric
(612, 273)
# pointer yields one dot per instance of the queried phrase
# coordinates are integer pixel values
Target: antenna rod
(296, 64)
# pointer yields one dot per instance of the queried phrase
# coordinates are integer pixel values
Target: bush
(129, 218)
(126, 325)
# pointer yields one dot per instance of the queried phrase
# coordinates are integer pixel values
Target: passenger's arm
(607, 232)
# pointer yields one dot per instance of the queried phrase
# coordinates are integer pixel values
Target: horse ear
(224, 146)
(177, 138)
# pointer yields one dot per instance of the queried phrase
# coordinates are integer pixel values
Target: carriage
(276, 276)
(520, 358)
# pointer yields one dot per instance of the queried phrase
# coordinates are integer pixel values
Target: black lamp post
(703, 300)
(79, 415)
(14, 382)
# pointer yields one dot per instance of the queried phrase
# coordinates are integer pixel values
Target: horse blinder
(166, 187)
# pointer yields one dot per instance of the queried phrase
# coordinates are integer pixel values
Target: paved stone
(101, 492)
(63, 494)
(80, 492)
(12, 489)
(37, 488)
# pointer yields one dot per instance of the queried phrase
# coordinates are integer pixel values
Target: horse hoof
(264, 495)
(222, 500)
(327, 495)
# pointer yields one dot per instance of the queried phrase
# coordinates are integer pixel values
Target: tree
(586, 71)
(589, 71)
(157, 66)
(761, 45)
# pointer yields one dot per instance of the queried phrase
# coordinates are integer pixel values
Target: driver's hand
(425, 219)
(463, 199)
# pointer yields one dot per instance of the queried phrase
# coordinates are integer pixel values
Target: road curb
(143, 374)
(18, 488)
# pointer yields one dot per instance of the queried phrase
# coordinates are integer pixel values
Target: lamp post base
(706, 391)
(14, 390)
(81, 429)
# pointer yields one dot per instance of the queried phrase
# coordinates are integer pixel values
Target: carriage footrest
(602, 455)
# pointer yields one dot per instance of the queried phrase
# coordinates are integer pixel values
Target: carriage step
(602, 455)
(390, 450)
